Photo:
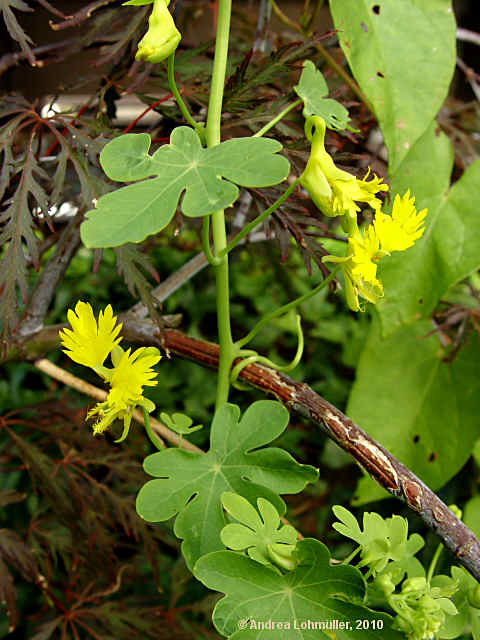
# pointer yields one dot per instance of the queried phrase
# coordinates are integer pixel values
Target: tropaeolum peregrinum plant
(230, 496)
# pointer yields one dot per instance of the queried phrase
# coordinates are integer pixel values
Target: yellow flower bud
(162, 37)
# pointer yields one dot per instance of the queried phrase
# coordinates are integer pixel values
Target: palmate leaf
(8, 165)
(468, 615)
(382, 540)
(14, 29)
(254, 532)
(315, 591)
(313, 89)
(10, 496)
(80, 151)
(132, 213)
(17, 228)
(120, 32)
(233, 463)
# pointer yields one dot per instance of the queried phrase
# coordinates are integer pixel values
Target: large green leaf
(132, 213)
(448, 251)
(315, 592)
(402, 54)
(231, 464)
(423, 410)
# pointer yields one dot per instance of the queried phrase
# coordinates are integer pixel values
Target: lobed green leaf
(132, 213)
(315, 591)
(312, 89)
(190, 484)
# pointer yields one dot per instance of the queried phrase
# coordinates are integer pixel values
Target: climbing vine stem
(218, 218)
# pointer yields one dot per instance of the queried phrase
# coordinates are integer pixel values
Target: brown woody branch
(386, 470)
(77, 18)
(11, 59)
(53, 272)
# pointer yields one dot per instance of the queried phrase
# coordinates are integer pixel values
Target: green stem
(213, 260)
(276, 119)
(433, 563)
(286, 307)
(238, 368)
(314, 15)
(263, 216)
(181, 104)
(350, 557)
(152, 437)
(227, 351)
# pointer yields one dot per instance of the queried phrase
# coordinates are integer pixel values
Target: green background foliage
(402, 381)
(403, 57)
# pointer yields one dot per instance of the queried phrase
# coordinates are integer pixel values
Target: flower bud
(283, 555)
(162, 37)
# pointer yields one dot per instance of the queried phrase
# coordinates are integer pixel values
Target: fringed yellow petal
(89, 343)
(399, 231)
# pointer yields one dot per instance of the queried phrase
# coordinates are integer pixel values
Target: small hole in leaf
(416, 438)
(380, 74)
(376, 9)
(364, 27)
(433, 456)
(420, 301)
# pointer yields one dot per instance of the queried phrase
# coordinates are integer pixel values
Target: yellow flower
(359, 268)
(357, 287)
(88, 343)
(334, 191)
(131, 372)
(400, 230)
(162, 37)
(364, 252)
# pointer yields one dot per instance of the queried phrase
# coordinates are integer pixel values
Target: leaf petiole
(285, 308)
(259, 219)
(212, 259)
(433, 563)
(151, 436)
(199, 128)
(276, 119)
(255, 357)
